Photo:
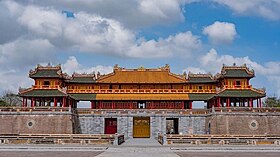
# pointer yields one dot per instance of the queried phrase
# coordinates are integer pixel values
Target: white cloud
(183, 44)
(212, 62)
(220, 32)
(264, 8)
(32, 34)
(194, 70)
(132, 13)
(72, 65)
(95, 34)
(25, 52)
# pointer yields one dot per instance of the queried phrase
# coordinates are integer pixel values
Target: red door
(110, 125)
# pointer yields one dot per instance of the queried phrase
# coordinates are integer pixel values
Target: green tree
(10, 99)
(272, 102)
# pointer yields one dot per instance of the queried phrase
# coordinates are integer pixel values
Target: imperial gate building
(145, 102)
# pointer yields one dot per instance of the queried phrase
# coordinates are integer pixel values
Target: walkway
(139, 147)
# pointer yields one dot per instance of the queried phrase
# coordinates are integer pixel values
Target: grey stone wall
(36, 123)
(192, 125)
(244, 123)
(91, 124)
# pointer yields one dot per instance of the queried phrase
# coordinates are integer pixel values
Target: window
(141, 105)
(238, 83)
(46, 83)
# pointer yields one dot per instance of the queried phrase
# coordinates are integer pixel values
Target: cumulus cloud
(92, 33)
(72, 65)
(220, 32)
(25, 52)
(268, 9)
(182, 43)
(132, 13)
(212, 62)
(31, 33)
(194, 70)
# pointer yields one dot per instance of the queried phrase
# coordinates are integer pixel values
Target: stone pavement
(138, 147)
(142, 147)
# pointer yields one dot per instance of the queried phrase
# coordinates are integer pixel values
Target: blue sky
(189, 35)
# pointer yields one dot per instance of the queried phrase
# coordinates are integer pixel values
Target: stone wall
(92, 124)
(36, 123)
(243, 123)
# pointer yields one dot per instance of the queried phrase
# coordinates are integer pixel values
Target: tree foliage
(272, 102)
(10, 99)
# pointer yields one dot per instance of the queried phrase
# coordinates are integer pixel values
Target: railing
(61, 139)
(35, 109)
(141, 91)
(143, 111)
(246, 109)
(45, 86)
(219, 139)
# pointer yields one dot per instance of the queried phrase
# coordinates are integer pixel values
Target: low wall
(36, 122)
(243, 123)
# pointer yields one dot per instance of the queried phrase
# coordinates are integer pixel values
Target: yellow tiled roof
(141, 77)
(142, 96)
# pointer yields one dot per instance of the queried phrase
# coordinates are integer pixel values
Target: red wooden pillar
(130, 104)
(54, 102)
(113, 104)
(251, 102)
(33, 102)
(101, 104)
(182, 105)
(64, 102)
(228, 102)
(23, 100)
(92, 104)
(219, 102)
(260, 104)
(190, 104)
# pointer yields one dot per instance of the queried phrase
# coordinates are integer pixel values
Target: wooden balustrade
(45, 86)
(238, 86)
(152, 91)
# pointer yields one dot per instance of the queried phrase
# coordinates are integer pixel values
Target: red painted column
(219, 103)
(113, 104)
(101, 105)
(23, 100)
(251, 102)
(32, 102)
(228, 102)
(130, 104)
(182, 104)
(190, 103)
(260, 103)
(54, 102)
(92, 104)
(64, 102)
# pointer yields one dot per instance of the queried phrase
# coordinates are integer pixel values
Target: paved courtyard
(137, 147)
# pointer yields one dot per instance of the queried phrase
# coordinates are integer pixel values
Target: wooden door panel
(141, 127)
(110, 125)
